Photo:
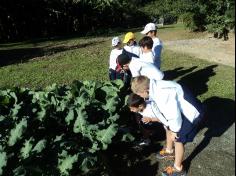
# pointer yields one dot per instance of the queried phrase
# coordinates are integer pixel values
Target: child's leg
(168, 151)
(177, 169)
(179, 155)
(169, 142)
(112, 74)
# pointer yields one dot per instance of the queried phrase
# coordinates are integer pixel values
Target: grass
(37, 64)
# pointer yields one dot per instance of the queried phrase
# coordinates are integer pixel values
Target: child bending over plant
(176, 109)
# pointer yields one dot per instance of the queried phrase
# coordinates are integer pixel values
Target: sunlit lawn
(37, 64)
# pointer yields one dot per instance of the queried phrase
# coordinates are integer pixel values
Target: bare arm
(149, 119)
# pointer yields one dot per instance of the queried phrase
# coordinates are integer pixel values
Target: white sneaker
(144, 142)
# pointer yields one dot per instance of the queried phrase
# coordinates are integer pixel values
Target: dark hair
(135, 100)
(123, 59)
(134, 42)
(155, 32)
(146, 42)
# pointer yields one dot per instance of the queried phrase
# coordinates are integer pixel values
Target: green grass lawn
(37, 64)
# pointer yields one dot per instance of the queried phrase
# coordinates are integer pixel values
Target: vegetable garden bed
(62, 130)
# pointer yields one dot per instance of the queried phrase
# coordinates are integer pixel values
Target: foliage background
(25, 19)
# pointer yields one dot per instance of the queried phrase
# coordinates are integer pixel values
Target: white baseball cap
(115, 41)
(149, 27)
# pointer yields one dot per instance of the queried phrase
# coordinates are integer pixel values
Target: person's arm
(135, 68)
(158, 74)
(165, 100)
(149, 119)
(157, 51)
(173, 112)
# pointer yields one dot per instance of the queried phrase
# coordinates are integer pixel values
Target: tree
(26, 19)
(215, 16)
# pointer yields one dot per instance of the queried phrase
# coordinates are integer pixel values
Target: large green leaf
(26, 149)
(105, 136)
(4, 100)
(39, 146)
(127, 137)
(87, 163)
(15, 109)
(70, 116)
(118, 83)
(111, 104)
(16, 133)
(41, 114)
(3, 161)
(2, 118)
(112, 119)
(80, 125)
(65, 162)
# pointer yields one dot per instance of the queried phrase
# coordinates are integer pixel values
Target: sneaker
(144, 142)
(140, 145)
(165, 155)
(172, 171)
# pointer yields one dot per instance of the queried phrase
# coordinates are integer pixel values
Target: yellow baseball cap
(128, 36)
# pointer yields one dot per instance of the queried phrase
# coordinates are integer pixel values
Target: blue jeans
(112, 74)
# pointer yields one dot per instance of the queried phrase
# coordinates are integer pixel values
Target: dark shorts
(112, 74)
(189, 130)
(125, 76)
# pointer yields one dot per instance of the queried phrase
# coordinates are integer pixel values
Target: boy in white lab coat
(177, 110)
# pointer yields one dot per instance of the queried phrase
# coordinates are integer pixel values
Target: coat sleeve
(134, 68)
(171, 110)
(158, 74)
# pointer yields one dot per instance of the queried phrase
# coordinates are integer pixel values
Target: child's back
(151, 31)
(115, 52)
(146, 44)
(131, 47)
(113, 56)
(134, 50)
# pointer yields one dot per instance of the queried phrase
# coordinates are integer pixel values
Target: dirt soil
(208, 48)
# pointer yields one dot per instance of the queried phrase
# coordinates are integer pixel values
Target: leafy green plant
(60, 129)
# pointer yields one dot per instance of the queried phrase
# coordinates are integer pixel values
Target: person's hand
(146, 119)
(174, 136)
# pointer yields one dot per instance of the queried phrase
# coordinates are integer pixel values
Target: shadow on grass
(220, 116)
(197, 81)
(220, 112)
(177, 72)
(21, 55)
